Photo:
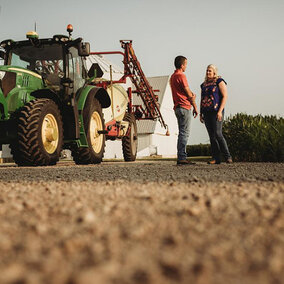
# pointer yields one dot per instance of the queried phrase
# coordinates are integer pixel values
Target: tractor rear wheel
(93, 122)
(39, 134)
(130, 142)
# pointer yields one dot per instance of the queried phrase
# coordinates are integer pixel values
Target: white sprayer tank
(119, 101)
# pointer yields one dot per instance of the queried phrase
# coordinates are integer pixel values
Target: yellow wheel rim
(50, 133)
(96, 138)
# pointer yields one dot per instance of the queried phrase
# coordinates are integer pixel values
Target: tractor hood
(19, 70)
(14, 77)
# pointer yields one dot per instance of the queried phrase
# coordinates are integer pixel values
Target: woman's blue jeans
(217, 140)
(183, 117)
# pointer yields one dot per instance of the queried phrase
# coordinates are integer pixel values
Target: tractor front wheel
(39, 134)
(130, 141)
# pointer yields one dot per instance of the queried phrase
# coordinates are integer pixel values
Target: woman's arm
(223, 90)
(201, 117)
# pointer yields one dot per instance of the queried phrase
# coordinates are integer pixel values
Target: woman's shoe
(229, 161)
(213, 162)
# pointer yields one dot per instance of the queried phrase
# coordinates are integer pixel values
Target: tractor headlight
(8, 82)
(62, 38)
(2, 73)
(6, 43)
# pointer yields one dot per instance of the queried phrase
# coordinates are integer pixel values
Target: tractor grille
(8, 82)
(25, 82)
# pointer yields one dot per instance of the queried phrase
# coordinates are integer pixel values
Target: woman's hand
(219, 116)
(201, 118)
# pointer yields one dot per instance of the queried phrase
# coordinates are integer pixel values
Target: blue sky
(244, 38)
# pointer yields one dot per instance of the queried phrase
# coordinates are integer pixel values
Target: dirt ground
(143, 222)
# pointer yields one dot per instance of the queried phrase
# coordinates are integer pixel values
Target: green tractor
(47, 102)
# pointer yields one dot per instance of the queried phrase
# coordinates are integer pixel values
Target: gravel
(142, 222)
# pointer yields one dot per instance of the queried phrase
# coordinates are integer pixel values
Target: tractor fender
(82, 97)
(46, 93)
(99, 93)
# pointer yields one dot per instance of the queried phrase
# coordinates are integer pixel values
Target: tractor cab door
(75, 81)
(75, 70)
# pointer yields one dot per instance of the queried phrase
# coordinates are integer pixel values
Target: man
(183, 100)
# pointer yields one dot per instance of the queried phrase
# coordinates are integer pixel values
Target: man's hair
(179, 60)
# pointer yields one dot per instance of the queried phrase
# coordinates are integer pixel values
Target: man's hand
(195, 112)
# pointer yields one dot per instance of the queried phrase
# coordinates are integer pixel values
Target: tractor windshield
(44, 59)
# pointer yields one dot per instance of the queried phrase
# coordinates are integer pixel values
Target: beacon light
(69, 28)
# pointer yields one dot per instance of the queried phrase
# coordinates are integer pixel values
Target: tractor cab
(59, 60)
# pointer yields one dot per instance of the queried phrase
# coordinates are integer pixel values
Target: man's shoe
(229, 161)
(214, 162)
(185, 162)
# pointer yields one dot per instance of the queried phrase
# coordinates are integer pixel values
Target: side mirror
(84, 49)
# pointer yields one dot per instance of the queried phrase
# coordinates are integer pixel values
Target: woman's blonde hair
(215, 72)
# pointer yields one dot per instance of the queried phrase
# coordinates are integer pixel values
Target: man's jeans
(217, 140)
(183, 117)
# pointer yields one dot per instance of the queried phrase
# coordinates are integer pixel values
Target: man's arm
(191, 96)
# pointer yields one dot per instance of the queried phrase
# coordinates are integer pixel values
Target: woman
(213, 100)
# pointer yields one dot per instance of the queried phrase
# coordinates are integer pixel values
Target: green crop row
(255, 138)
(198, 150)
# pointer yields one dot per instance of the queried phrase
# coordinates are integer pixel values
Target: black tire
(130, 142)
(93, 121)
(39, 134)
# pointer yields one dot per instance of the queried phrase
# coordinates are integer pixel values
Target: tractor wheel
(130, 142)
(93, 122)
(39, 134)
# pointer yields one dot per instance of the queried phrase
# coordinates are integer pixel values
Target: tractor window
(17, 61)
(75, 68)
(44, 59)
(2, 57)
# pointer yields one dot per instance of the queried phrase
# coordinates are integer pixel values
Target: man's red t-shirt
(178, 83)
